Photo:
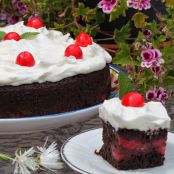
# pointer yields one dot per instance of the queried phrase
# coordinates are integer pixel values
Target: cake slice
(134, 132)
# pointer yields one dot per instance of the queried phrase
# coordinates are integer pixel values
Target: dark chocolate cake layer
(50, 98)
(133, 149)
(151, 159)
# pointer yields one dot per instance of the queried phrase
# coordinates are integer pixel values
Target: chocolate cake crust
(69, 94)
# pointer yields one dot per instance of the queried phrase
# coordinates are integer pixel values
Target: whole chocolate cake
(50, 73)
(134, 133)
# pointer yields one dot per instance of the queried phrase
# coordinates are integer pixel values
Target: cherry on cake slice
(134, 132)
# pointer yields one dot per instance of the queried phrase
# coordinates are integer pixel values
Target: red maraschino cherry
(25, 59)
(74, 50)
(12, 36)
(83, 40)
(35, 23)
(133, 99)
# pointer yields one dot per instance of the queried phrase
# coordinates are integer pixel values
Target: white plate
(78, 153)
(38, 123)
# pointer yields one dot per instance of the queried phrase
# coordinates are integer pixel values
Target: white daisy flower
(49, 157)
(31, 160)
(25, 162)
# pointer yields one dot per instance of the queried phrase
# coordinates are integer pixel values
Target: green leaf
(170, 73)
(170, 28)
(139, 19)
(154, 42)
(125, 85)
(123, 34)
(171, 12)
(81, 10)
(152, 26)
(91, 29)
(123, 57)
(2, 34)
(99, 17)
(141, 82)
(168, 81)
(119, 10)
(168, 53)
(161, 38)
(169, 3)
(29, 35)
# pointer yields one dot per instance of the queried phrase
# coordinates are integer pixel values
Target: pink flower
(139, 4)
(150, 95)
(157, 53)
(155, 70)
(147, 33)
(138, 46)
(149, 45)
(148, 57)
(158, 94)
(151, 57)
(158, 61)
(162, 95)
(107, 5)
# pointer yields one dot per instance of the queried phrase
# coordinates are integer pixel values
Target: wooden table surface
(9, 143)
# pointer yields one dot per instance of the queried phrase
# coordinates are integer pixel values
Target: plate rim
(67, 162)
(64, 114)
(64, 157)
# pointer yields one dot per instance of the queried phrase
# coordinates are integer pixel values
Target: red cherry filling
(74, 50)
(129, 144)
(162, 150)
(83, 40)
(12, 36)
(25, 59)
(133, 99)
(35, 23)
(160, 142)
(125, 149)
(116, 154)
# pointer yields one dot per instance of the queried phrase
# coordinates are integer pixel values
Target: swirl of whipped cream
(152, 115)
(48, 50)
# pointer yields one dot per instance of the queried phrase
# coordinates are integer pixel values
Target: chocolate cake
(49, 98)
(134, 134)
(49, 73)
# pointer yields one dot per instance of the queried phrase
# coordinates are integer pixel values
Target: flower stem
(105, 39)
(5, 157)
(105, 33)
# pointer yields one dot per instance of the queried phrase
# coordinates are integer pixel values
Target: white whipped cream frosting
(152, 115)
(48, 50)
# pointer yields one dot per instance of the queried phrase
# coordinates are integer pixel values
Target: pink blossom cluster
(107, 5)
(159, 94)
(139, 4)
(151, 58)
(19, 5)
(140, 46)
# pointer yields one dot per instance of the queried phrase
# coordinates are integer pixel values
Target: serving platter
(39, 123)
